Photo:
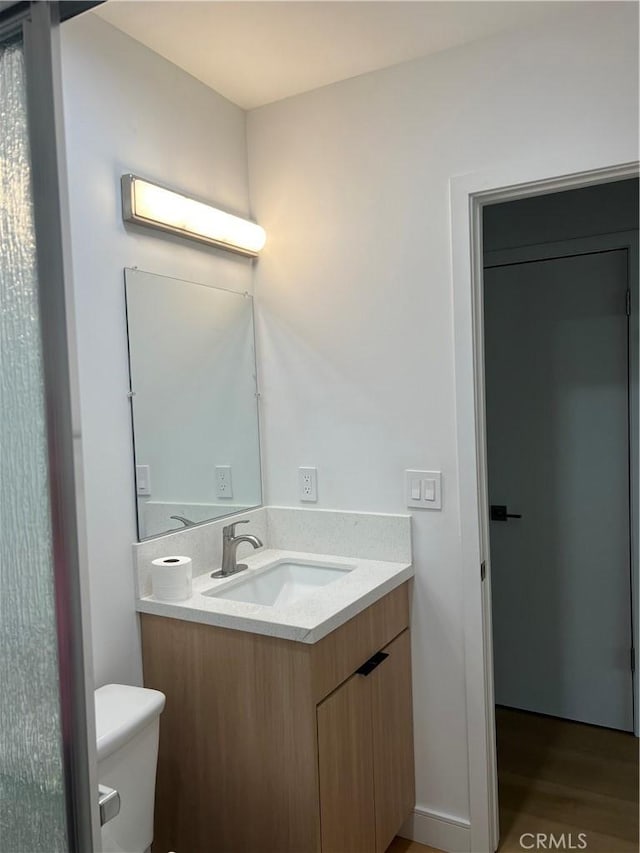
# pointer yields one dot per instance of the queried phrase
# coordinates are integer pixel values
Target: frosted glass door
(32, 789)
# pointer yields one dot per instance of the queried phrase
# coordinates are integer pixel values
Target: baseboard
(437, 830)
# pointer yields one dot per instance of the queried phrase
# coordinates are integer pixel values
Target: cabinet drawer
(337, 656)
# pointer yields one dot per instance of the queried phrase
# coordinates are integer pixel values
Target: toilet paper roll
(171, 578)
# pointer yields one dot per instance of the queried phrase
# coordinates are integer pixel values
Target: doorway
(470, 195)
(558, 376)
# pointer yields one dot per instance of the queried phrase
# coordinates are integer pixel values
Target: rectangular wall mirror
(193, 400)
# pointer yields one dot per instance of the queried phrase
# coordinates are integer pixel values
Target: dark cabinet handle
(499, 513)
(372, 663)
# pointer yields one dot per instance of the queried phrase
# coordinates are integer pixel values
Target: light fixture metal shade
(146, 203)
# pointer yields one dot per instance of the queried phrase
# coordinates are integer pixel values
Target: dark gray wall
(602, 209)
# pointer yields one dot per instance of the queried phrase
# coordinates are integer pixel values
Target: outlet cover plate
(308, 484)
(224, 483)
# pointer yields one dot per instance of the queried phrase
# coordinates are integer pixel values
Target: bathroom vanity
(294, 735)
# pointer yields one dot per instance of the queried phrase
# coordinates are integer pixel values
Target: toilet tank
(127, 726)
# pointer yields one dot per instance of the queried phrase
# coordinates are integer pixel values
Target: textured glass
(32, 798)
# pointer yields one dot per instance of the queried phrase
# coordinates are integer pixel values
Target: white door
(556, 364)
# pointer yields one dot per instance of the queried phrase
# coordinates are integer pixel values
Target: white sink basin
(281, 583)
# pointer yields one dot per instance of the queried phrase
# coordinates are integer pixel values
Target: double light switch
(424, 489)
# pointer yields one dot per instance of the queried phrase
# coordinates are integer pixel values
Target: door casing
(468, 195)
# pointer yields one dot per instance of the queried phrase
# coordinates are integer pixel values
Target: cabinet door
(345, 764)
(392, 721)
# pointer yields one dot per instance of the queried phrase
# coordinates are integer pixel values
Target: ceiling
(254, 53)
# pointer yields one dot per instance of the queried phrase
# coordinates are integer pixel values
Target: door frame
(468, 195)
(38, 23)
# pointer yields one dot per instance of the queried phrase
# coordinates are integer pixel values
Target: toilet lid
(121, 712)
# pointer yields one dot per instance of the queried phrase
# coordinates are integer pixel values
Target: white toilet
(127, 727)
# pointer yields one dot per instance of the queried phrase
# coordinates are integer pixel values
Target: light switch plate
(143, 481)
(423, 489)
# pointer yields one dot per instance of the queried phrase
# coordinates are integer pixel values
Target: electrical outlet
(308, 484)
(224, 483)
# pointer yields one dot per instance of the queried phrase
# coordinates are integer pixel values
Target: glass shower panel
(32, 792)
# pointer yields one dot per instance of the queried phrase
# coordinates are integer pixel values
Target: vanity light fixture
(146, 203)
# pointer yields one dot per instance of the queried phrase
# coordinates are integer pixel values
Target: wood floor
(556, 776)
(403, 845)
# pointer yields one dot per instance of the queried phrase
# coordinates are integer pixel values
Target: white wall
(128, 110)
(354, 291)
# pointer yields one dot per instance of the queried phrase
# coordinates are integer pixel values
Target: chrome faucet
(186, 521)
(230, 544)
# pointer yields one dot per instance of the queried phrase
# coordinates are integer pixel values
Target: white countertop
(306, 620)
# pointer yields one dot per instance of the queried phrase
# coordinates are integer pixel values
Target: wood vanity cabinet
(365, 755)
(274, 746)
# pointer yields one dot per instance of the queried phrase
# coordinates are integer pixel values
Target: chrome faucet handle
(230, 530)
